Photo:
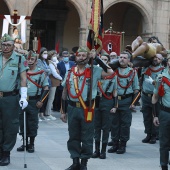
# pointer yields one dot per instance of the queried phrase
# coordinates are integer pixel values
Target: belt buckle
(1, 94)
(78, 104)
(149, 95)
(119, 98)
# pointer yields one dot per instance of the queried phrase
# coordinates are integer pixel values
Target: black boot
(147, 138)
(75, 165)
(83, 165)
(21, 148)
(5, 158)
(153, 139)
(122, 148)
(164, 167)
(103, 151)
(114, 147)
(110, 143)
(96, 153)
(31, 145)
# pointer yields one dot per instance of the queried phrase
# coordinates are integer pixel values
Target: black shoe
(5, 161)
(21, 148)
(122, 148)
(110, 143)
(96, 154)
(103, 155)
(113, 149)
(83, 165)
(30, 148)
(147, 138)
(153, 139)
(75, 165)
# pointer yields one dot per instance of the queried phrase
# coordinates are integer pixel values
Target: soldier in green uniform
(80, 113)
(12, 78)
(127, 91)
(105, 107)
(149, 76)
(162, 91)
(36, 82)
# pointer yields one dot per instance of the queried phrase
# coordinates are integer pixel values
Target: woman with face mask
(55, 81)
(42, 62)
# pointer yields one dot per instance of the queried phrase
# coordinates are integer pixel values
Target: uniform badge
(25, 63)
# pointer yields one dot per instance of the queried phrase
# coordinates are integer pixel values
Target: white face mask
(54, 59)
(44, 56)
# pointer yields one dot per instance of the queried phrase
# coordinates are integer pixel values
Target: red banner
(112, 42)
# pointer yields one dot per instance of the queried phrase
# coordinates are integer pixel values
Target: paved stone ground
(51, 150)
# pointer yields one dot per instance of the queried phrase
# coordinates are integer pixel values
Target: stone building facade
(67, 21)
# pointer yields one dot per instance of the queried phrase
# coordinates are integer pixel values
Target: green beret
(104, 53)
(31, 54)
(6, 37)
(82, 49)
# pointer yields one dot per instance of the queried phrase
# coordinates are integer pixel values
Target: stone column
(82, 37)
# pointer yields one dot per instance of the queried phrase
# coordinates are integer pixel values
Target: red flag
(96, 26)
(57, 46)
(39, 45)
(112, 42)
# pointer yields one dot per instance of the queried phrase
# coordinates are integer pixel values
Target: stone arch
(141, 6)
(77, 5)
(10, 8)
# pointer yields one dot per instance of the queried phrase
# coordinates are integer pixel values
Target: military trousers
(164, 137)
(81, 133)
(148, 115)
(103, 120)
(31, 112)
(121, 122)
(9, 121)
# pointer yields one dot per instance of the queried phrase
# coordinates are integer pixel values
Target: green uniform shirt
(97, 72)
(105, 83)
(8, 73)
(165, 99)
(147, 87)
(32, 88)
(123, 82)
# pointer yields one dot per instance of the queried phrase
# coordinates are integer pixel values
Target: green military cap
(82, 49)
(104, 53)
(31, 54)
(6, 37)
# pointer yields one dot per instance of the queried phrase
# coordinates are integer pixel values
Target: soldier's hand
(23, 103)
(39, 104)
(156, 121)
(132, 107)
(63, 117)
(113, 110)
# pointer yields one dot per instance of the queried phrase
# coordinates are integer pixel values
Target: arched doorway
(4, 10)
(126, 17)
(55, 21)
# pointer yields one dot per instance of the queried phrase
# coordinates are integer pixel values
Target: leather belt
(147, 94)
(11, 93)
(124, 96)
(78, 104)
(164, 108)
(33, 97)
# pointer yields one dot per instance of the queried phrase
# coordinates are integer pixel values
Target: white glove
(23, 102)
(149, 80)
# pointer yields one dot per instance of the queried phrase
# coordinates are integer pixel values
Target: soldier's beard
(155, 63)
(82, 62)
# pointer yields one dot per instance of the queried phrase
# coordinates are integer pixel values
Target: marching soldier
(149, 76)
(36, 82)
(80, 113)
(128, 93)
(12, 78)
(162, 91)
(106, 104)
